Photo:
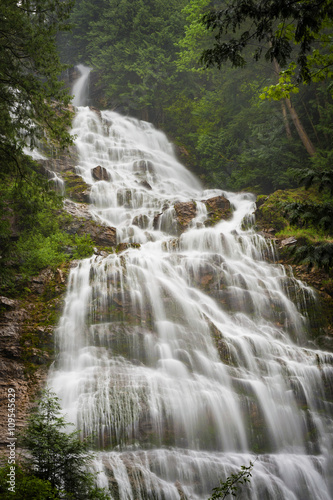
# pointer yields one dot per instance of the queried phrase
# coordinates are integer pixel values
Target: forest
(148, 61)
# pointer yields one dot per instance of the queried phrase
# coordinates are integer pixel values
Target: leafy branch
(232, 483)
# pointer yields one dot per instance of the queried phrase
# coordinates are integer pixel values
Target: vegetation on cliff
(33, 233)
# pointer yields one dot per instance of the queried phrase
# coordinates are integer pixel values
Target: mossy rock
(76, 188)
(270, 209)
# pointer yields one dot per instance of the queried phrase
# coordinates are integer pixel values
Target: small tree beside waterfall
(57, 456)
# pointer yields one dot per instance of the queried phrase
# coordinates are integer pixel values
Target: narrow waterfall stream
(187, 354)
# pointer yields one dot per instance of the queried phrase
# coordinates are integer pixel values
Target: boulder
(185, 212)
(100, 173)
(218, 208)
(82, 223)
(288, 241)
(142, 221)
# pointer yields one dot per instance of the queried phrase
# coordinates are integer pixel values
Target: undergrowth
(33, 233)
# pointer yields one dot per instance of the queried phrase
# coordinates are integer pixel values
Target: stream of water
(187, 353)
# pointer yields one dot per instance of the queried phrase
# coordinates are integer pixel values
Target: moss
(75, 187)
(269, 211)
(44, 310)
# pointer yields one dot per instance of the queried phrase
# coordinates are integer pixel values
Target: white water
(186, 356)
(80, 88)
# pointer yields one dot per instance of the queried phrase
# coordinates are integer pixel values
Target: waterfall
(80, 88)
(187, 353)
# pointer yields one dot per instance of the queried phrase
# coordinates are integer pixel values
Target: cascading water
(80, 87)
(187, 355)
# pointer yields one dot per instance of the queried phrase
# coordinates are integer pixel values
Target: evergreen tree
(32, 99)
(58, 456)
(299, 32)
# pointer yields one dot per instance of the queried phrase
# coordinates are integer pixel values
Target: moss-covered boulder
(218, 209)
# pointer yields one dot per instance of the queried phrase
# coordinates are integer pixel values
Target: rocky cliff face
(28, 323)
(271, 223)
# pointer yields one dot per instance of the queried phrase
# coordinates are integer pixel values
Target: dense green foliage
(33, 232)
(135, 41)
(146, 60)
(32, 98)
(26, 486)
(279, 29)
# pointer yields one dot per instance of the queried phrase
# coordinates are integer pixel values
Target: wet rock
(185, 212)
(142, 221)
(218, 208)
(156, 221)
(76, 188)
(146, 185)
(102, 235)
(82, 223)
(100, 173)
(63, 162)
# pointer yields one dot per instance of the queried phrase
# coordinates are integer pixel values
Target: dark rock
(76, 188)
(146, 185)
(156, 221)
(185, 212)
(142, 221)
(82, 223)
(63, 162)
(218, 208)
(100, 173)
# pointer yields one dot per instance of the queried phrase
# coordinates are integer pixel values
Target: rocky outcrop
(100, 173)
(82, 223)
(272, 223)
(142, 221)
(75, 187)
(185, 212)
(27, 342)
(218, 208)
(62, 162)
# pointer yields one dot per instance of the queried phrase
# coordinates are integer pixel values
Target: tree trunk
(296, 121)
(300, 129)
(285, 120)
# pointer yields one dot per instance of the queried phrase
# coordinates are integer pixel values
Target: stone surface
(100, 173)
(76, 188)
(185, 212)
(142, 221)
(62, 162)
(26, 343)
(83, 223)
(146, 185)
(287, 242)
(218, 208)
